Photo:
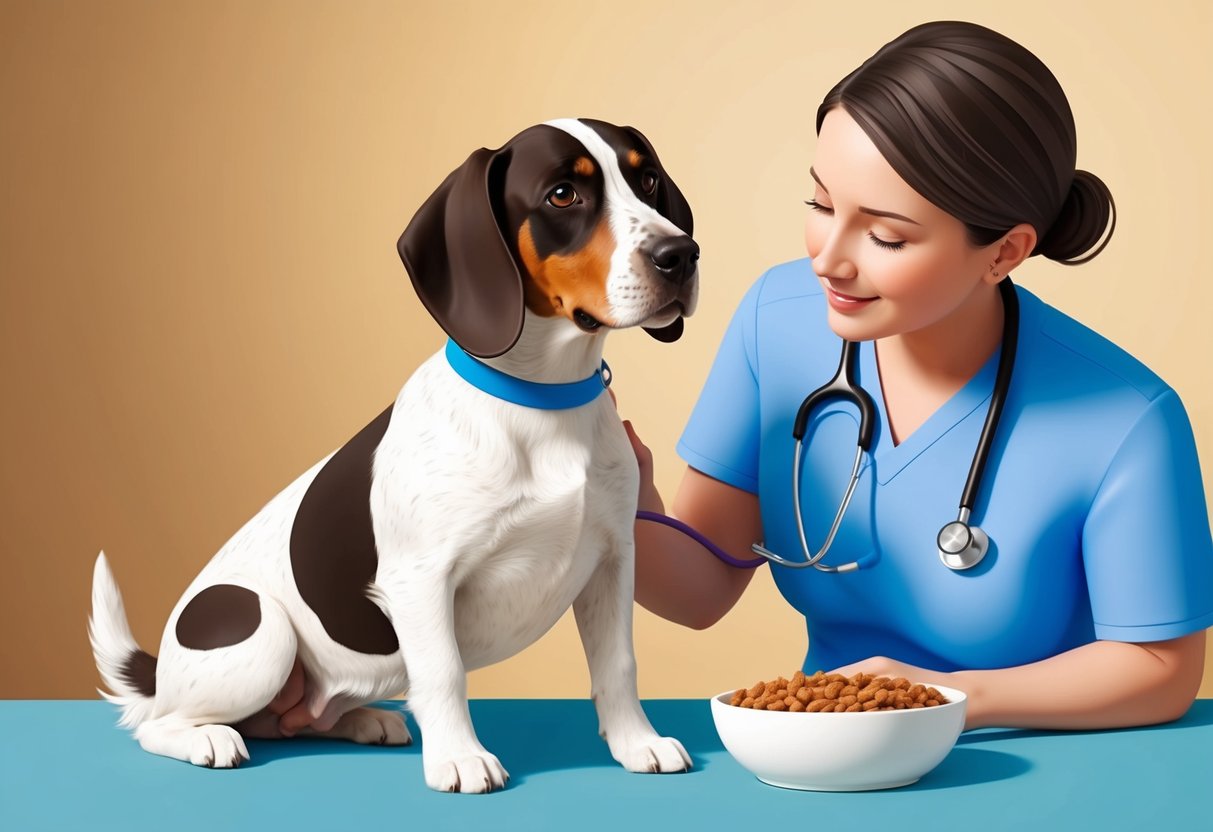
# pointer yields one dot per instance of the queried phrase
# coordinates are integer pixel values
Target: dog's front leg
(604, 619)
(423, 614)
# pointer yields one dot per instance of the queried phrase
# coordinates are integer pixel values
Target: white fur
(490, 521)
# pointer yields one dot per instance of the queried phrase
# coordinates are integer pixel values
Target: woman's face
(889, 261)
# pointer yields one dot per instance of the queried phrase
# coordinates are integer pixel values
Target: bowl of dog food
(828, 732)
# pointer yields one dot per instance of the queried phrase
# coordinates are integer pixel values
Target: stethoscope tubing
(843, 386)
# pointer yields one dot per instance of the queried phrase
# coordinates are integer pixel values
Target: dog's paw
(653, 755)
(372, 726)
(216, 746)
(470, 772)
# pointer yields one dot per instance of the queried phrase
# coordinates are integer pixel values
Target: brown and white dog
(457, 527)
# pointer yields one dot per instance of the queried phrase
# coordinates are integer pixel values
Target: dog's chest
(520, 506)
(543, 544)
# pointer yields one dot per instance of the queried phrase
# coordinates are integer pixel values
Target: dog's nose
(675, 258)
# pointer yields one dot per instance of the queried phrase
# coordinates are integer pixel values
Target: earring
(996, 274)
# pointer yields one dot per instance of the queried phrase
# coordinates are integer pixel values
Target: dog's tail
(126, 669)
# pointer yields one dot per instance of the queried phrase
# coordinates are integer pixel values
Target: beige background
(201, 295)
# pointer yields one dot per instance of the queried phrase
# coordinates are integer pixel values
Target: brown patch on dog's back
(563, 283)
(219, 616)
(333, 553)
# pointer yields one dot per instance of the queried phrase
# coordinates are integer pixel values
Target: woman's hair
(980, 127)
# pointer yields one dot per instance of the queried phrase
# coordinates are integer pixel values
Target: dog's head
(573, 218)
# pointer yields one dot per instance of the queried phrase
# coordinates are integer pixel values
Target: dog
(459, 525)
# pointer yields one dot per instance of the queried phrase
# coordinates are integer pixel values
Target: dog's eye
(562, 196)
(648, 182)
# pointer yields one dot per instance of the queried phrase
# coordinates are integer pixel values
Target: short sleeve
(1146, 544)
(721, 438)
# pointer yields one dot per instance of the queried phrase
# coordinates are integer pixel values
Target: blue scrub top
(1092, 496)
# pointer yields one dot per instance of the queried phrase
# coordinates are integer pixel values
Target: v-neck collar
(889, 458)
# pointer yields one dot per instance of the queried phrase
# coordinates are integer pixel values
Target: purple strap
(700, 539)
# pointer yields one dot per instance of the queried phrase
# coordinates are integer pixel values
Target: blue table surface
(65, 766)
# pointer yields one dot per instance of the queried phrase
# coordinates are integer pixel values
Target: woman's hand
(1104, 684)
(881, 666)
(650, 499)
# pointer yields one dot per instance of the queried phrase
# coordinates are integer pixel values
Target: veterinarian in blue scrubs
(1099, 573)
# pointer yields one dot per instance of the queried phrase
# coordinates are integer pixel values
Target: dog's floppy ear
(672, 205)
(460, 263)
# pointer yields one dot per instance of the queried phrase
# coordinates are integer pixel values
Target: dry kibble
(835, 693)
(796, 684)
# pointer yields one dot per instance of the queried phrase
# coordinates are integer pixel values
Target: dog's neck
(551, 351)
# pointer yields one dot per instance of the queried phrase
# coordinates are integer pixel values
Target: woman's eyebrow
(873, 211)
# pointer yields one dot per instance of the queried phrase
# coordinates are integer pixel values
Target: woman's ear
(1010, 250)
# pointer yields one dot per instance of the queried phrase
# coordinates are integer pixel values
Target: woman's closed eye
(888, 245)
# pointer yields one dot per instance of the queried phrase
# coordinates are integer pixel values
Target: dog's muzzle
(675, 258)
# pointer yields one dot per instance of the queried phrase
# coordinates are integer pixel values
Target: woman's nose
(833, 260)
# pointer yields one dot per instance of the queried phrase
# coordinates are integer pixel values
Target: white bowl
(840, 752)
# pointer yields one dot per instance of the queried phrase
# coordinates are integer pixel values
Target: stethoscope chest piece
(961, 546)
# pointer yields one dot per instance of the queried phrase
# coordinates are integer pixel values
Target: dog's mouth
(586, 321)
(675, 308)
(666, 314)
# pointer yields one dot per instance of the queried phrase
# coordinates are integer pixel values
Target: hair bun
(1086, 214)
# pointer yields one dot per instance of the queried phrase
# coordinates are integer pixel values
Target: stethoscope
(961, 545)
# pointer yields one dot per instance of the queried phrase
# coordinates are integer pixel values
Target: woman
(943, 163)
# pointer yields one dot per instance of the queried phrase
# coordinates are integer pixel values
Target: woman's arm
(1104, 684)
(677, 578)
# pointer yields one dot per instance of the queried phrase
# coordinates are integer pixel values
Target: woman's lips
(846, 303)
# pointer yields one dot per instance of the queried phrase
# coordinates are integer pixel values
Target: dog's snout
(675, 257)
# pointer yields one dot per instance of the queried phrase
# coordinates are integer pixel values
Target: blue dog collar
(526, 393)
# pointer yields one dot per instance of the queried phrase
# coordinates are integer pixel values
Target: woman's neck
(921, 370)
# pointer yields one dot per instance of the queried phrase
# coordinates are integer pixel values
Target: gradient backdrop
(200, 294)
